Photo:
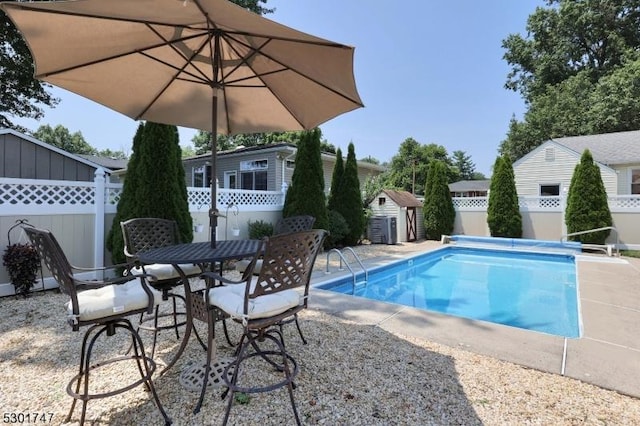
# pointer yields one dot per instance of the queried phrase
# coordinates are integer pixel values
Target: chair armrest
(214, 276)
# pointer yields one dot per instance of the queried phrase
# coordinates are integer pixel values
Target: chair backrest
(54, 258)
(294, 224)
(287, 262)
(146, 233)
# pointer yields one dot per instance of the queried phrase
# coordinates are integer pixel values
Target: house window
(549, 190)
(201, 176)
(291, 164)
(254, 180)
(382, 201)
(254, 165)
(230, 180)
(253, 174)
(635, 181)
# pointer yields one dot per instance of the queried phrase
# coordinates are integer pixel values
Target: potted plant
(22, 263)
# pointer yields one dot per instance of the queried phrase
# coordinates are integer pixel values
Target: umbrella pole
(213, 210)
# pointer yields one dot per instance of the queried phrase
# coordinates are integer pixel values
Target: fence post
(564, 192)
(99, 200)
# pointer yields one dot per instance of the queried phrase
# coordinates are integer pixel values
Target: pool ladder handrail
(343, 259)
(607, 248)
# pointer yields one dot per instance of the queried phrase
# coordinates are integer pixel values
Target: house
(547, 170)
(470, 188)
(407, 210)
(264, 167)
(25, 157)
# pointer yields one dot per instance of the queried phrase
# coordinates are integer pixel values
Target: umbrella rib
(121, 55)
(179, 70)
(255, 51)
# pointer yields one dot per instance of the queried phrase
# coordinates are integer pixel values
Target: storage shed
(407, 210)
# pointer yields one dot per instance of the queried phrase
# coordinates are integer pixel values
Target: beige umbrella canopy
(204, 64)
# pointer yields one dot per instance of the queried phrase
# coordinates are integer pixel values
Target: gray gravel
(350, 374)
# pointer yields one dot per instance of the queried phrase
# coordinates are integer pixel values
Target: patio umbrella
(204, 64)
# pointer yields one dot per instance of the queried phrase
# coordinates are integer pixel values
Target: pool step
(360, 284)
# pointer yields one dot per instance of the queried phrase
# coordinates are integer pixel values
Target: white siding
(624, 178)
(544, 167)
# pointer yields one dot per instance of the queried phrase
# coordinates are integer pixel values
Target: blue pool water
(534, 291)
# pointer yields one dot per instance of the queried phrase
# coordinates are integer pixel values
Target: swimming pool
(534, 291)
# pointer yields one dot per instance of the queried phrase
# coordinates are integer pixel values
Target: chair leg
(145, 365)
(148, 369)
(207, 367)
(81, 373)
(288, 367)
(304, 341)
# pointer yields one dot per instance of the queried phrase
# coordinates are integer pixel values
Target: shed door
(411, 224)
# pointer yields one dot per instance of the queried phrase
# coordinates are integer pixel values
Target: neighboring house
(407, 210)
(470, 188)
(263, 167)
(547, 170)
(25, 157)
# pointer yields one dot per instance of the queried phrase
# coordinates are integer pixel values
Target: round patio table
(197, 253)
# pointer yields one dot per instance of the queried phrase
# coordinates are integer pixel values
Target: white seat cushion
(230, 298)
(113, 299)
(243, 264)
(167, 272)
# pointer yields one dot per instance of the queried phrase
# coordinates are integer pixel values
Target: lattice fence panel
(60, 194)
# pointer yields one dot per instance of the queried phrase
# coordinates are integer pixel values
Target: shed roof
(403, 198)
(607, 148)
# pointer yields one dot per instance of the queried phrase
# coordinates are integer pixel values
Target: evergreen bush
(587, 203)
(439, 213)
(350, 199)
(503, 214)
(260, 229)
(305, 195)
(336, 182)
(154, 185)
(338, 230)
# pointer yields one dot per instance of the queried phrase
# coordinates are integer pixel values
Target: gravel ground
(350, 374)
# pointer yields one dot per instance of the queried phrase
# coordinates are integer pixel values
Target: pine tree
(587, 204)
(154, 185)
(503, 214)
(336, 181)
(306, 194)
(439, 213)
(350, 199)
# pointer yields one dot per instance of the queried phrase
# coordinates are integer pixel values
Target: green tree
(350, 199)
(119, 155)
(577, 71)
(370, 159)
(126, 205)
(439, 213)
(503, 214)
(63, 139)
(306, 194)
(336, 182)
(587, 203)
(21, 95)
(463, 164)
(408, 169)
(154, 185)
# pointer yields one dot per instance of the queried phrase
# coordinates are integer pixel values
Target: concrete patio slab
(607, 354)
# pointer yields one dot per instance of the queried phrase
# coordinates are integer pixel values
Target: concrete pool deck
(607, 354)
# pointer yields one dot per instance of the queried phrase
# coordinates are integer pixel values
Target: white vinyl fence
(80, 215)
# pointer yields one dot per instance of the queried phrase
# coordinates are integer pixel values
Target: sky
(429, 70)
